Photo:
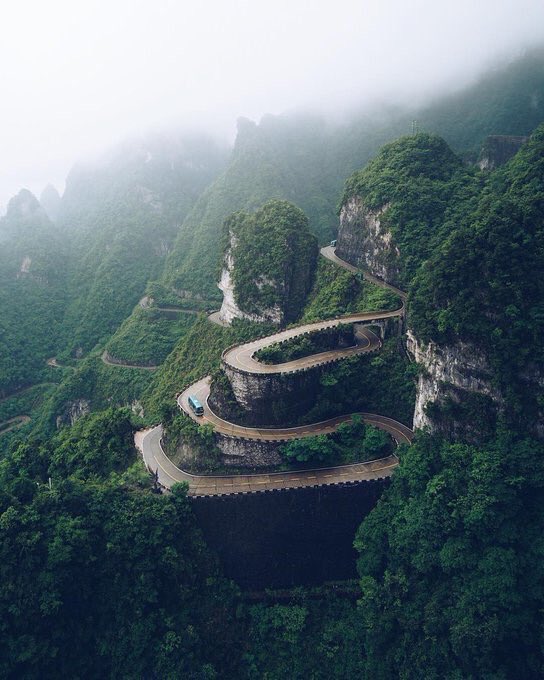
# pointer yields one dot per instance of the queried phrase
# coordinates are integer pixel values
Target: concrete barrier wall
(288, 537)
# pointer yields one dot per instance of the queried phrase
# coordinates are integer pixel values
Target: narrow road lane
(149, 444)
(330, 253)
(201, 390)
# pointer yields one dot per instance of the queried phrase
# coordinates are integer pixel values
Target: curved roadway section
(12, 423)
(330, 253)
(201, 390)
(149, 443)
(241, 357)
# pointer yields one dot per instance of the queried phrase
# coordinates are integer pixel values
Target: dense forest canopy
(421, 186)
(273, 258)
(485, 284)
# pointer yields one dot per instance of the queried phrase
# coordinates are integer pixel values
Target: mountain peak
(24, 204)
(50, 201)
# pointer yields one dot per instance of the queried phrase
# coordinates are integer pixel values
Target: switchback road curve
(242, 357)
(149, 444)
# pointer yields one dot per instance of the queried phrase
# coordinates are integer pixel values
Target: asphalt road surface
(149, 443)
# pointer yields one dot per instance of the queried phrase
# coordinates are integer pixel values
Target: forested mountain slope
(279, 158)
(32, 292)
(485, 286)
(451, 577)
(121, 216)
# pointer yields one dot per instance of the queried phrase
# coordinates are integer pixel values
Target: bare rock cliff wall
(364, 241)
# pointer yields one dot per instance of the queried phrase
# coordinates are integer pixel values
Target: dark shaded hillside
(485, 286)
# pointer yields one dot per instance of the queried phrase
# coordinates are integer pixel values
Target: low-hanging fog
(79, 76)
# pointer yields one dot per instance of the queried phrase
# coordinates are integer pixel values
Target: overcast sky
(79, 75)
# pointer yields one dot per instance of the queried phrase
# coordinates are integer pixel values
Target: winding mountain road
(149, 443)
(111, 361)
(242, 357)
(201, 390)
(330, 253)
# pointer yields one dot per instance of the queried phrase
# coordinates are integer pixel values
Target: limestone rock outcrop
(498, 150)
(449, 378)
(230, 309)
(268, 264)
(364, 241)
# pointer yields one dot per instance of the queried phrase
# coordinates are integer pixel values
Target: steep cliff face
(230, 309)
(395, 211)
(498, 150)
(454, 380)
(479, 299)
(265, 400)
(364, 241)
(268, 264)
(457, 395)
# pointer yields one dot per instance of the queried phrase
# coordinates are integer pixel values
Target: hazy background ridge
(79, 77)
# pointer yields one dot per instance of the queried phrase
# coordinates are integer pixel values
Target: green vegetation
(336, 292)
(196, 355)
(101, 577)
(450, 564)
(423, 187)
(95, 385)
(161, 296)
(352, 442)
(383, 383)
(281, 158)
(306, 345)
(146, 337)
(200, 439)
(274, 257)
(121, 219)
(485, 285)
(311, 634)
(32, 293)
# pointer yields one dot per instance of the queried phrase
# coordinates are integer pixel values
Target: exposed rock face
(248, 452)
(456, 395)
(268, 264)
(73, 411)
(365, 242)
(498, 150)
(449, 379)
(267, 400)
(229, 308)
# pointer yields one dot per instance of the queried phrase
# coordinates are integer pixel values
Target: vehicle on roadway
(333, 243)
(196, 406)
